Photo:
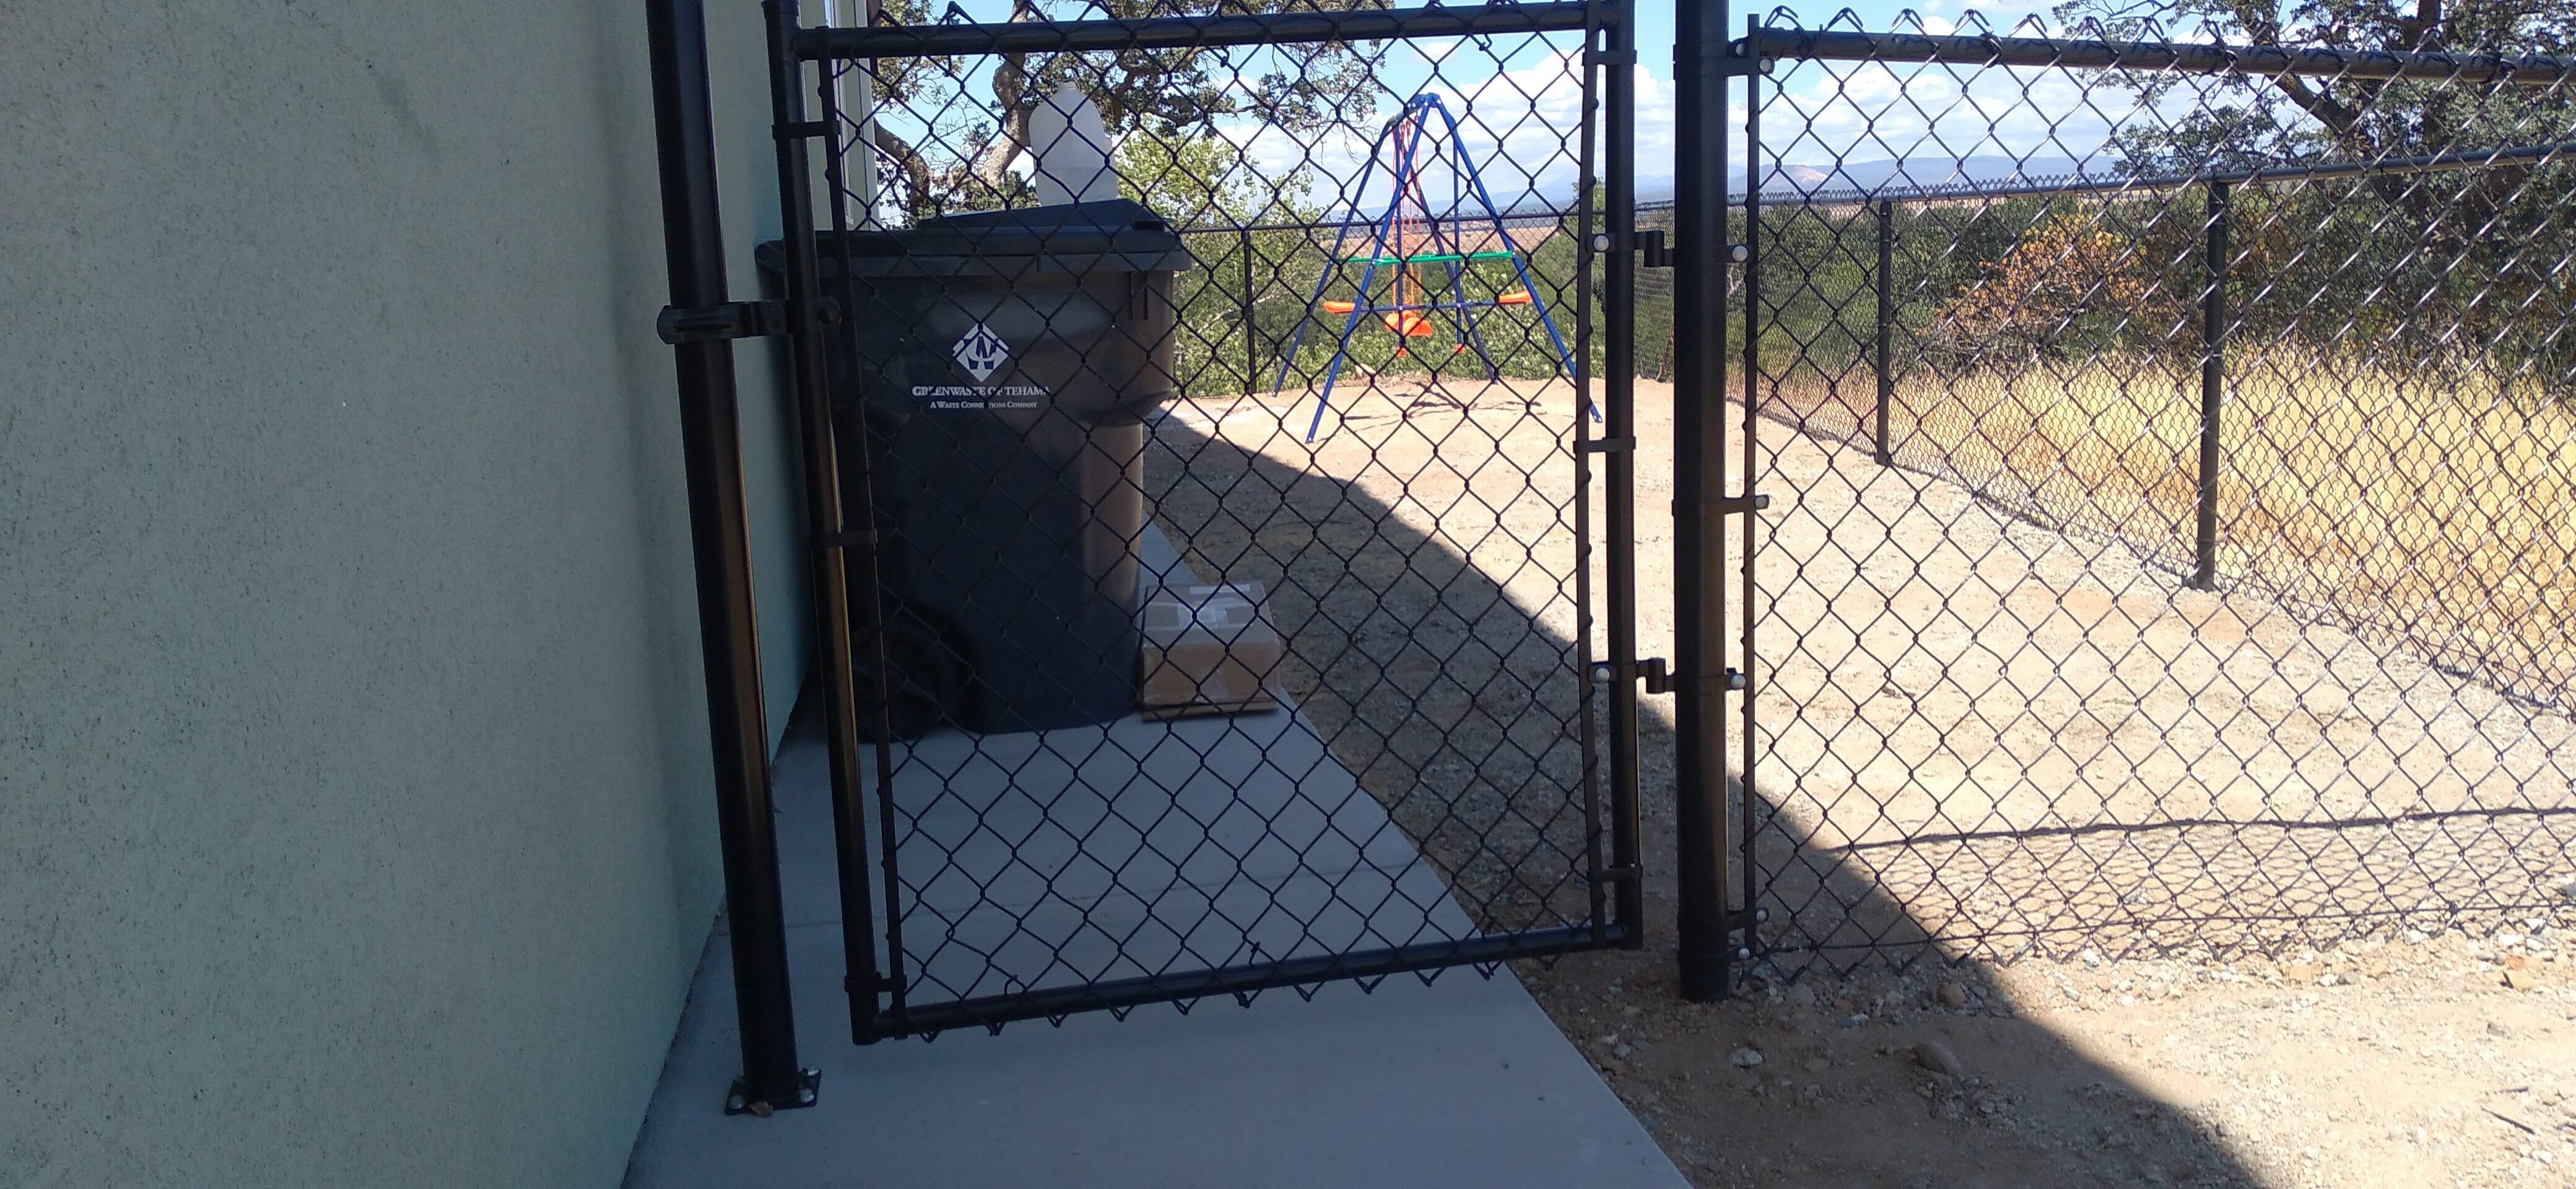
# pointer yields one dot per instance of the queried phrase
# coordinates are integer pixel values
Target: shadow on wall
(1434, 653)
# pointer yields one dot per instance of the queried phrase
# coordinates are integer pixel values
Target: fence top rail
(2144, 183)
(1521, 218)
(1843, 45)
(1204, 31)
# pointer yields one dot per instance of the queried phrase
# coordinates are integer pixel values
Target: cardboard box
(1208, 650)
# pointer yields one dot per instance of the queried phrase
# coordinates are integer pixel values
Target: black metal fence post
(1251, 333)
(1700, 72)
(711, 447)
(2213, 375)
(1748, 256)
(1619, 383)
(1886, 451)
(827, 550)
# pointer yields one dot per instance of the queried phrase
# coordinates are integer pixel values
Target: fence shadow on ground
(2035, 733)
(1430, 630)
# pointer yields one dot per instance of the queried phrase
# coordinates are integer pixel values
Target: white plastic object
(1072, 150)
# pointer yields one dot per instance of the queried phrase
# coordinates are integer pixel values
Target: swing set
(1409, 241)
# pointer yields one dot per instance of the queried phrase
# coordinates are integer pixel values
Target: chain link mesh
(2046, 658)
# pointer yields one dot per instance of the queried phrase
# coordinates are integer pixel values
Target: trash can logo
(982, 352)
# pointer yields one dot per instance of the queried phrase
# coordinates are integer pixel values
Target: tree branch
(1013, 101)
(916, 171)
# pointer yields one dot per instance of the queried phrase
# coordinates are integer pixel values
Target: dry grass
(2430, 511)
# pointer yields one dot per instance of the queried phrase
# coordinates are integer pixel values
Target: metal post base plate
(809, 1087)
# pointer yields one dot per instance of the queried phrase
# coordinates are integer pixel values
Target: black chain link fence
(2173, 455)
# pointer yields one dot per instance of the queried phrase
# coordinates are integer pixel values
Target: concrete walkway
(1027, 856)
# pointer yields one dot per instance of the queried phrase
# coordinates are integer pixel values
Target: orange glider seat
(1412, 324)
(1408, 323)
(1517, 297)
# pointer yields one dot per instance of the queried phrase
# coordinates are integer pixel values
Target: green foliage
(1195, 181)
(2329, 268)
(949, 129)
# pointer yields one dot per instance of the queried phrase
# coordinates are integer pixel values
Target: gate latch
(1652, 670)
(1652, 251)
(1657, 675)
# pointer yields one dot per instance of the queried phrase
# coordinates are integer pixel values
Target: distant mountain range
(1856, 179)
(1912, 174)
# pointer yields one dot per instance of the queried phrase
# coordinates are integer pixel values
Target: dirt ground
(1955, 703)
(2383, 1064)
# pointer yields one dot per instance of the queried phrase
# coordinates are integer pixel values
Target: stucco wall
(354, 824)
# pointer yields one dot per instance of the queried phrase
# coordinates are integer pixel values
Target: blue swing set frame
(1443, 242)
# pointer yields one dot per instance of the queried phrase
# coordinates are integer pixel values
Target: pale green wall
(738, 52)
(354, 823)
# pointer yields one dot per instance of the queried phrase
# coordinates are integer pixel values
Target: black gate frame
(878, 1005)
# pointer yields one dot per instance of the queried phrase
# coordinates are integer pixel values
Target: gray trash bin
(1004, 366)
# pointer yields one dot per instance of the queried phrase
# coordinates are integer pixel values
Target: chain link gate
(1320, 317)
(2174, 470)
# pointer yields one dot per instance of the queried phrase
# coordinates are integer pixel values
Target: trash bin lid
(1117, 235)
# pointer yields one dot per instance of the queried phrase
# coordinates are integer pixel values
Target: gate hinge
(862, 538)
(1609, 57)
(1737, 505)
(799, 130)
(735, 320)
(732, 320)
(1740, 59)
(1605, 445)
(1628, 874)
